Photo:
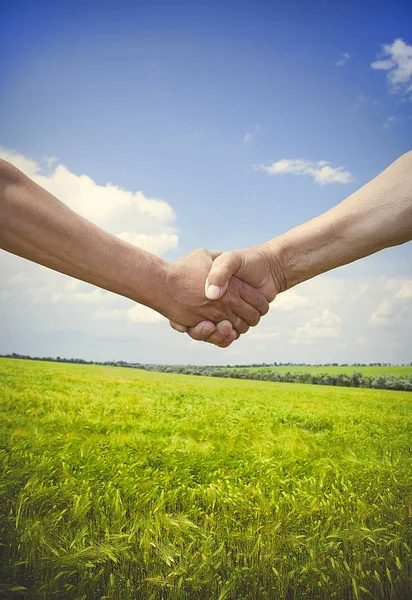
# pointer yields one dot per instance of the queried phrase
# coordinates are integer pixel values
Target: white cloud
(392, 120)
(103, 326)
(27, 165)
(50, 301)
(270, 334)
(321, 172)
(396, 58)
(147, 221)
(358, 291)
(157, 244)
(405, 291)
(385, 314)
(46, 313)
(291, 301)
(363, 100)
(397, 309)
(143, 314)
(50, 160)
(93, 297)
(344, 57)
(136, 314)
(328, 325)
(251, 134)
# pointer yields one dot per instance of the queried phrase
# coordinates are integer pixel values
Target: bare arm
(377, 216)
(37, 226)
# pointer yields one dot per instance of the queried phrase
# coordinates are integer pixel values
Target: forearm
(377, 216)
(37, 226)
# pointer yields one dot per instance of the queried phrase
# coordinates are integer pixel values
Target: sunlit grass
(125, 484)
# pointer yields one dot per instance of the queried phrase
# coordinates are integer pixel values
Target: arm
(37, 226)
(377, 216)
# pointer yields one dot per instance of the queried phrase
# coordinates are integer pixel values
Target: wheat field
(123, 484)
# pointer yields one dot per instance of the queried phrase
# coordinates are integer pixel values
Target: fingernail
(225, 328)
(205, 330)
(213, 292)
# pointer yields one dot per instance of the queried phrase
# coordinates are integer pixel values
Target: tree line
(355, 379)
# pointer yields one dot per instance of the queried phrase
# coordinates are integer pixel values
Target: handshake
(215, 297)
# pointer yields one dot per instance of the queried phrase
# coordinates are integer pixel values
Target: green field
(126, 485)
(371, 371)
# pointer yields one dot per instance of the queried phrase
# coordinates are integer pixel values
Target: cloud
(27, 165)
(328, 325)
(396, 58)
(251, 134)
(50, 160)
(137, 314)
(392, 120)
(157, 244)
(321, 172)
(143, 314)
(334, 312)
(147, 221)
(45, 298)
(344, 57)
(291, 301)
(325, 319)
(269, 334)
(397, 309)
(405, 291)
(363, 100)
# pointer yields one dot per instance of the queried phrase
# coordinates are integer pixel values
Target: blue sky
(182, 101)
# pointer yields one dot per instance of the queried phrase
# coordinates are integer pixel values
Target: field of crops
(396, 371)
(126, 485)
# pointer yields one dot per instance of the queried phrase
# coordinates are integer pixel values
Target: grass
(124, 484)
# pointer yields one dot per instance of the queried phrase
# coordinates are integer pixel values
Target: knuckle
(243, 327)
(265, 308)
(194, 334)
(256, 299)
(215, 339)
(224, 344)
(254, 318)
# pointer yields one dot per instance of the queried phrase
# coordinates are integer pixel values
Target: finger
(214, 253)
(223, 330)
(223, 267)
(239, 324)
(246, 312)
(202, 331)
(252, 296)
(177, 327)
(215, 336)
(229, 340)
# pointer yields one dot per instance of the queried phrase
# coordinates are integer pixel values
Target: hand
(256, 266)
(223, 334)
(187, 305)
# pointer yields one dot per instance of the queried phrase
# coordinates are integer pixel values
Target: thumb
(223, 268)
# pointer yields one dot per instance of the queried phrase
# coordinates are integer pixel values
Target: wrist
(279, 260)
(315, 247)
(149, 286)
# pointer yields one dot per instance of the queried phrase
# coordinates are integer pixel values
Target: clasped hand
(216, 297)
